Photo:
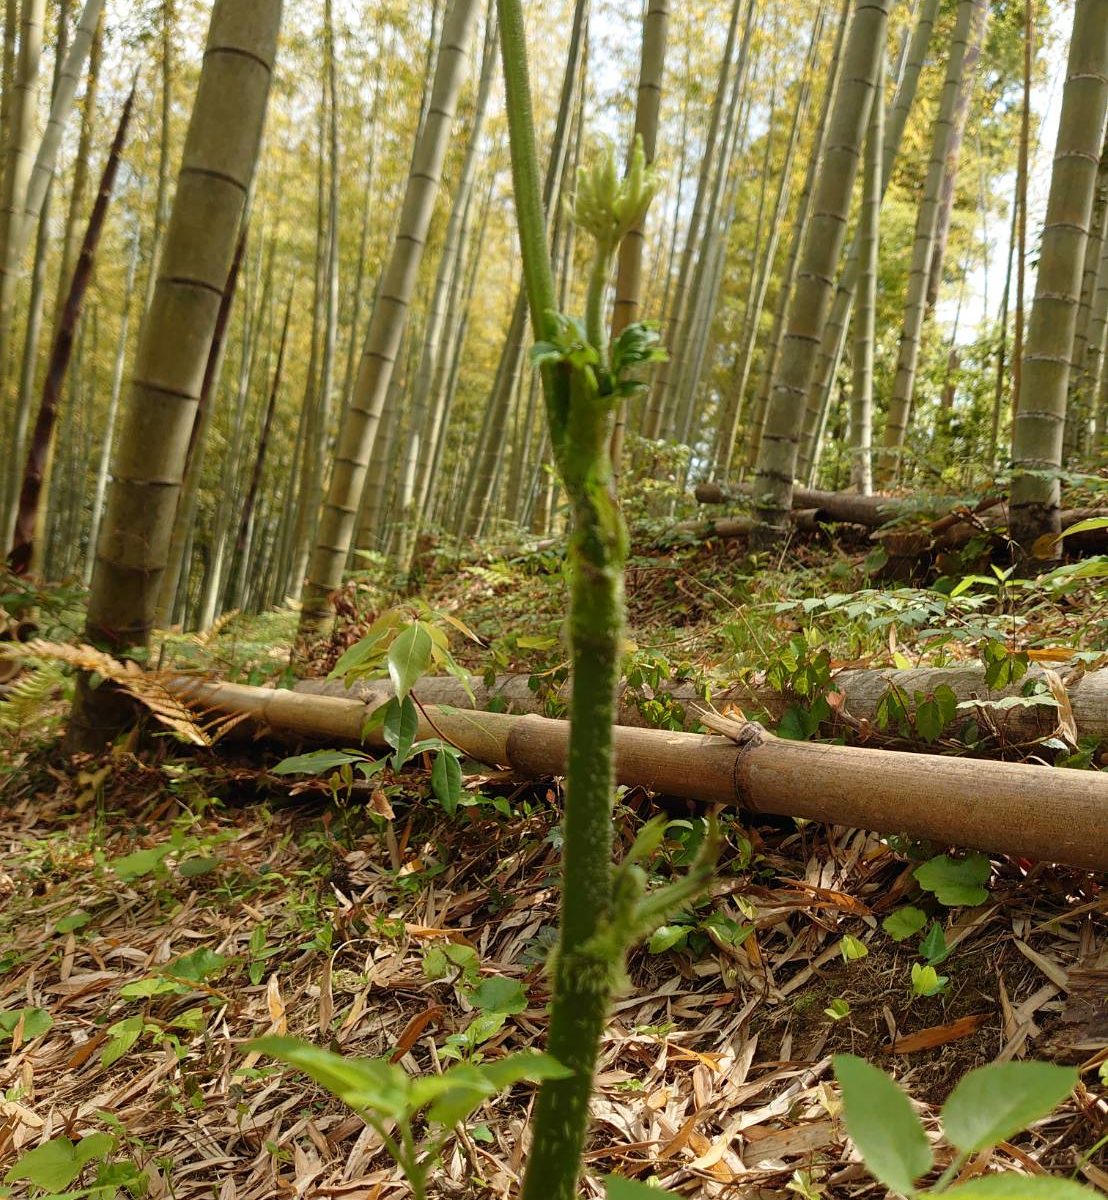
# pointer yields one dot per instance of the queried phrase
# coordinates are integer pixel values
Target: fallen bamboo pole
(862, 690)
(1009, 808)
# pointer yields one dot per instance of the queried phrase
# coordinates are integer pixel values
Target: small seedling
(393, 1103)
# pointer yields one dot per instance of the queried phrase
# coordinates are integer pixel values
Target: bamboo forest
(553, 630)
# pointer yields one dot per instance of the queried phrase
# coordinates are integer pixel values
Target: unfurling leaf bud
(609, 207)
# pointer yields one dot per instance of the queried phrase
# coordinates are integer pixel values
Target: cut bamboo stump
(862, 690)
(1010, 808)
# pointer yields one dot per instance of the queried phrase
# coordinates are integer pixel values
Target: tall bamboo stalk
(221, 151)
(17, 170)
(811, 300)
(865, 315)
(658, 414)
(198, 442)
(735, 396)
(42, 437)
(834, 331)
(107, 436)
(61, 106)
(799, 230)
(427, 405)
(246, 518)
(1022, 161)
(915, 307)
(363, 415)
(978, 27)
(629, 284)
(1040, 419)
(486, 462)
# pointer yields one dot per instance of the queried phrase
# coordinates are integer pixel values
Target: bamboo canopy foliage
(220, 155)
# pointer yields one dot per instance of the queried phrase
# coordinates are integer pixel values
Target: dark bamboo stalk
(19, 556)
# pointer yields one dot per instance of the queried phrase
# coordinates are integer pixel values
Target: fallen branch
(861, 690)
(1009, 808)
(848, 507)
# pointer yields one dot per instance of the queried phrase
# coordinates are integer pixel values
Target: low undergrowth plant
(987, 1107)
(414, 1116)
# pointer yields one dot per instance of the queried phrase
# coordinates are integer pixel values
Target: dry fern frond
(213, 631)
(146, 687)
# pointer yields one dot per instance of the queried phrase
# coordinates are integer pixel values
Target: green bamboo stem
(1041, 413)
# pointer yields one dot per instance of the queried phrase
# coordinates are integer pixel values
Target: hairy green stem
(585, 970)
(595, 325)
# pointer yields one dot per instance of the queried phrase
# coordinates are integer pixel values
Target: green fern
(25, 699)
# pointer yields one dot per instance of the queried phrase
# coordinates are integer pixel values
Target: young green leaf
(400, 728)
(317, 762)
(364, 1083)
(903, 923)
(142, 862)
(409, 657)
(852, 948)
(926, 981)
(446, 780)
(1086, 526)
(498, 994)
(994, 1102)
(51, 1166)
(837, 1009)
(880, 1119)
(36, 1021)
(933, 947)
(955, 882)
(124, 1034)
(666, 937)
(617, 1188)
(1012, 1186)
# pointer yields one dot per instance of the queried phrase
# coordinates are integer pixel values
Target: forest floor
(158, 911)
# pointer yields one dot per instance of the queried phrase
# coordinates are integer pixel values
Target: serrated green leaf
(955, 882)
(852, 949)
(409, 657)
(152, 985)
(992, 1103)
(196, 966)
(880, 1119)
(73, 921)
(192, 868)
(929, 721)
(904, 923)
(92, 1146)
